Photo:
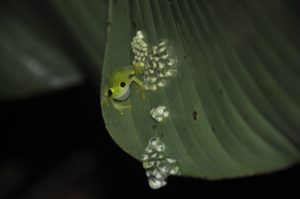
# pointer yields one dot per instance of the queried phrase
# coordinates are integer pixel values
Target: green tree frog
(118, 85)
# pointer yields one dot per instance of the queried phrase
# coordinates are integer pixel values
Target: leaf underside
(235, 103)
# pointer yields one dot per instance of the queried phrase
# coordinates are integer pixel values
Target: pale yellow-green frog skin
(117, 88)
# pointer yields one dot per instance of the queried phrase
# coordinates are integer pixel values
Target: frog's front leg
(142, 87)
(104, 101)
(119, 106)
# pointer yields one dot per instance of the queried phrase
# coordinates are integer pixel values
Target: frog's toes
(129, 106)
(122, 108)
(139, 67)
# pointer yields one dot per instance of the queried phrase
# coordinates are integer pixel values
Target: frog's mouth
(123, 96)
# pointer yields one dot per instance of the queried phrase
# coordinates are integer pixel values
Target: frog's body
(117, 89)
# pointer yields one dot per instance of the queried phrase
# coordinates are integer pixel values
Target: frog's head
(119, 90)
(118, 84)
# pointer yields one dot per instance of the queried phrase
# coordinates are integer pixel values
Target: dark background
(56, 146)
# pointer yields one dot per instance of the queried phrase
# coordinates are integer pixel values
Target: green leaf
(235, 103)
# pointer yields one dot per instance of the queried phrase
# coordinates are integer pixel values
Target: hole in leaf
(221, 91)
(213, 129)
(194, 114)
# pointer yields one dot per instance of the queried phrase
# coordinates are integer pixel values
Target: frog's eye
(122, 84)
(109, 92)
